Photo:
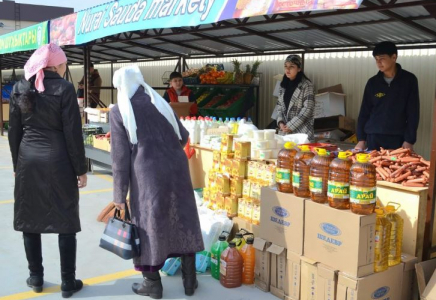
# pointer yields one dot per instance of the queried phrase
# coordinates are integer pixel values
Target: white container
(275, 153)
(260, 145)
(254, 153)
(272, 144)
(259, 135)
(270, 134)
(329, 104)
(264, 154)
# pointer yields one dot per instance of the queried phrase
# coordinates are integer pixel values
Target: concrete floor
(105, 275)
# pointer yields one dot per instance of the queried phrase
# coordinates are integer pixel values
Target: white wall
(352, 70)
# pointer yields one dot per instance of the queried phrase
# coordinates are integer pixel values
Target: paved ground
(105, 275)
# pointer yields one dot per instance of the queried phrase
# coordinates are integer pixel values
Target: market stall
(237, 169)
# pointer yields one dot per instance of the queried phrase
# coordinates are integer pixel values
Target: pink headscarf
(50, 55)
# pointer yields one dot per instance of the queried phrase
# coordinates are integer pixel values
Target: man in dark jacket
(389, 115)
(94, 82)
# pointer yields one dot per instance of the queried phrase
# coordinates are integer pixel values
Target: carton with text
(282, 219)
(262, 268)
(339, 239)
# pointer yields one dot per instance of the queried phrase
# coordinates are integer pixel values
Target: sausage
(381, 172)
(403, 177)
(410, 159)
(399, 151)
(427, 163)
(413, 184)
(375, 159)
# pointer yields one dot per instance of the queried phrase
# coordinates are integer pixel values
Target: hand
(285, 128)
(120, 206)
(82, 181)
(360, 145)
(407, 145)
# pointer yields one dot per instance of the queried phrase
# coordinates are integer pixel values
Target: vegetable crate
(210, 111)
(238, 108)
(88, 131)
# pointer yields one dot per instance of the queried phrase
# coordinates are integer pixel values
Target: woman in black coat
(48, 155)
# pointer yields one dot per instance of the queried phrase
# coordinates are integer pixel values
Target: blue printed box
(339, 239)
(282, 219)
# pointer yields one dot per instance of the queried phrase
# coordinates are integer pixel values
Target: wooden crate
(104, 144)
(413, 210)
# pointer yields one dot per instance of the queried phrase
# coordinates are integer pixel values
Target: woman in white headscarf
(147, 143)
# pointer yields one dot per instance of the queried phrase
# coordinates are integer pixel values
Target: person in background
(95, 82)
(48, 155)
(177, 88)
(147, 141)
(296, 102)
(389, 115)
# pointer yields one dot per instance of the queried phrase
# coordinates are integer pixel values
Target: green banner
(29, 38)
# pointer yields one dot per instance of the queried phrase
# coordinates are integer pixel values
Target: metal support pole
(431, 198)
(303, 60)
(1, 100)
(86, 62)
(112, 85)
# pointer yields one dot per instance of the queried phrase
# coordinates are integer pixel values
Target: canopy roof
(408, 23)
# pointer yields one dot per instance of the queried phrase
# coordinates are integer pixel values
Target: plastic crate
(210, 111)
(191, 80)
(88, 132)
(237, 109)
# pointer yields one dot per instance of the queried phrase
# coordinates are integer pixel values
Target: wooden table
(413, 203)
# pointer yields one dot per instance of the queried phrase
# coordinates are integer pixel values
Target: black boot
(67, 250)
(151, 286)
(189, 275)
(32, 245)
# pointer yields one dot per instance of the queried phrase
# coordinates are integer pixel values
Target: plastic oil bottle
(319, 175)
(382, 240)
(231, 267)
(300, 174)
(396, 238)
(248, 254)
(363, 185)
(338, 189)
(239, 241)
(285, 166)
(216, 252)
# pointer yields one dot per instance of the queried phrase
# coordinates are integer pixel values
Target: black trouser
(375, 141)
(67, 250)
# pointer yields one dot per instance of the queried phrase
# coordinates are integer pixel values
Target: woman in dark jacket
(147, 142)
(296, 104)
(49, 163)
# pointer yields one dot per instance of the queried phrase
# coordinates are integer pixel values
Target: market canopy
(244, 27)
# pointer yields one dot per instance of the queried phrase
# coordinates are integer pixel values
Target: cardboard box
(329, 104)
(181, 109)
(426, 277)
(279, 271)
(339, 238)
(103, 144)
(318, 281)
(262, 268)
(335, 122)
(294, 276)
(409, 285)
(282, 219)
(384, 285)
(238, 224)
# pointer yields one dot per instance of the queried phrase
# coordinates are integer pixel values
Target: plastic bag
(298, 138)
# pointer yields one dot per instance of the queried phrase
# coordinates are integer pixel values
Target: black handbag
(121, 237)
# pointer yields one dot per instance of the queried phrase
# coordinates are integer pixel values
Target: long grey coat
(157, 172)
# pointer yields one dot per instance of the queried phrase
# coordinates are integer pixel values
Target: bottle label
(338, 190)
(315, 184)
(214, 261)
(296, 179)
(362, 195)
(223, 267)
(283, 176)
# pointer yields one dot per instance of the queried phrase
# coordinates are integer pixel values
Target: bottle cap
(238, 235)
(304, 148)
(222, 238)
(250, 241)
(321, 151)
(232, 244)
(390, 208)
(344, 154)
(363, 158)
(379, 212)
(289, 145)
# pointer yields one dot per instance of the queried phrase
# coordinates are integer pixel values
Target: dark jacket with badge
(48, 154)
(390, 109)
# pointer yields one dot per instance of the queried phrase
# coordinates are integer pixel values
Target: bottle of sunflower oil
(319, 175)
(300, 175)
(382, 240)
(396, 238)
(285, 166)
(363, 185)
(338, 191)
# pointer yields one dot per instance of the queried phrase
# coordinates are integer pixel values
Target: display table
(98, 157)
(413, 203)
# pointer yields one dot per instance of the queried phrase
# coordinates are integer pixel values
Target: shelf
(234, 86)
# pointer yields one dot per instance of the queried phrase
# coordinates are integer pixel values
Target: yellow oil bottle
(396, 238)
(382, 240)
